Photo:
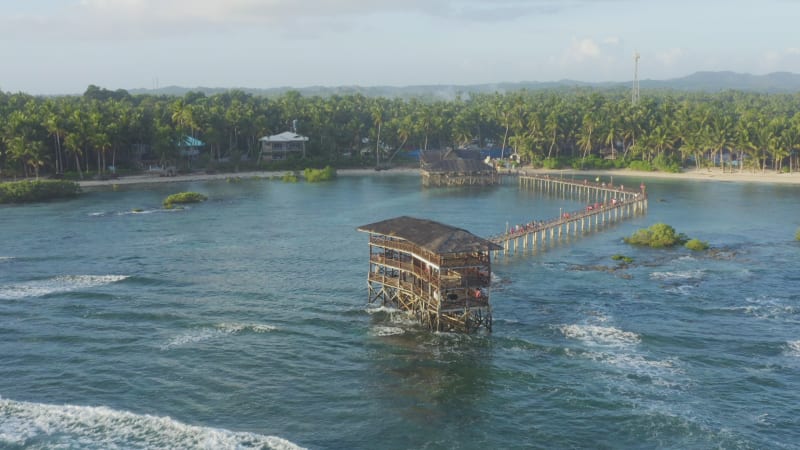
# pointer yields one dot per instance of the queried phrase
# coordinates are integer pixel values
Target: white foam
(597, 335)
(678, 275)
(219, 331)
(386, 331)
(139, 211)
(381, 309)
(65, 283)
(70, 426)
(684, 289)
(770, 307)
(793, 348)
(5, 258)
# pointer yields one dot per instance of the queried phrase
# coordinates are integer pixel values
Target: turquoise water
(242, 323)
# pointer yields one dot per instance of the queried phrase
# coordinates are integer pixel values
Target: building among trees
(278, 146)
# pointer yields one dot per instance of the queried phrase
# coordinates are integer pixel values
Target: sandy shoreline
(691, 174)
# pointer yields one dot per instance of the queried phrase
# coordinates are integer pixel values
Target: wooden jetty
(606, 203)
(439, 273)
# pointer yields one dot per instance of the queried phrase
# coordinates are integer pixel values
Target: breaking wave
(44, 426)
(597, 335)
(386, 331)
(65, 283)
(678, 275)
(219, 331)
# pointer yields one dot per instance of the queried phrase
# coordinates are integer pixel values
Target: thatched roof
(433, 236)
(458, 166)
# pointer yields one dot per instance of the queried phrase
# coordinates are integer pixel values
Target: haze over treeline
(777, 82)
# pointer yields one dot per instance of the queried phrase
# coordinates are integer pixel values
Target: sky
(62, 46)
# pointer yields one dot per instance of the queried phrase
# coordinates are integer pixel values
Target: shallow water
(242, 323)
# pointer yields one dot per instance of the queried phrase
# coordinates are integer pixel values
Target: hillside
(777, 82)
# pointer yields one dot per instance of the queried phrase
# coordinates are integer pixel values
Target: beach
(689, 174)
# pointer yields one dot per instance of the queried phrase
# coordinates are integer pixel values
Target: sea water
(242, 322)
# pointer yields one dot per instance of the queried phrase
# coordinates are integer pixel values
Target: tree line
(89, 133)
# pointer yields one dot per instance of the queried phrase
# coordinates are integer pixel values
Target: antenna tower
(635, 93)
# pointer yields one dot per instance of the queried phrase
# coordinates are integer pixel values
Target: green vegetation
(37, 191)
(289, 177)
(659, 235)
(316, 175)
(696, 245)
(588, 128)
(623, 258)
(183, 198)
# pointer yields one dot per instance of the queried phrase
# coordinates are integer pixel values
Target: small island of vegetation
(37, 191)
(317, 175)
(183, 198)
(661, 235)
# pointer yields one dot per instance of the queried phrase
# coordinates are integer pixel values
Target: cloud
(588, 49)
(152, 18)
(670, 57)
(582, 49)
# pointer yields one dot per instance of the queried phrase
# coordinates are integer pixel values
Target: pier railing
(605, 203)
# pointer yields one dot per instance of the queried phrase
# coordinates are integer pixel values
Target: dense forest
(80, 136)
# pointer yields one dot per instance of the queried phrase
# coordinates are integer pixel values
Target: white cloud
(670, 57)
(152, 18)
(612, 40)
(581, 50)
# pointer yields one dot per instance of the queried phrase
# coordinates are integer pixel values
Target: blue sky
(62, 46)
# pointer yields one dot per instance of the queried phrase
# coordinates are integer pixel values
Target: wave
(39, 425)
(218, 331)
(135, 212)
(678, 275)
(765, 307)
(683, 289)
(793, 348)
(381, 309)
(386, 331)
(597, 335)
(64, 283)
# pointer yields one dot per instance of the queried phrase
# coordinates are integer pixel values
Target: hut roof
(458, 165)
(286, 136)
(433, 236)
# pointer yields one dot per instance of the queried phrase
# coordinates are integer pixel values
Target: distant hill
(777, 82)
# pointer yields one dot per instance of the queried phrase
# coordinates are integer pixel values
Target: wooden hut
(440, 273)
(456, 168)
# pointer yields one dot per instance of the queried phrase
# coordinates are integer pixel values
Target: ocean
(243, 322)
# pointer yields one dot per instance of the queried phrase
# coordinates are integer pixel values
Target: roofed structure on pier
(456, 168)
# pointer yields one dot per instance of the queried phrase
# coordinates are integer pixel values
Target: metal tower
(635, 93)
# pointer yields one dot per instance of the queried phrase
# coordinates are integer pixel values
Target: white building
(278, 146)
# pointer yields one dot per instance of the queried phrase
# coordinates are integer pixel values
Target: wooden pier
(606, 203)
